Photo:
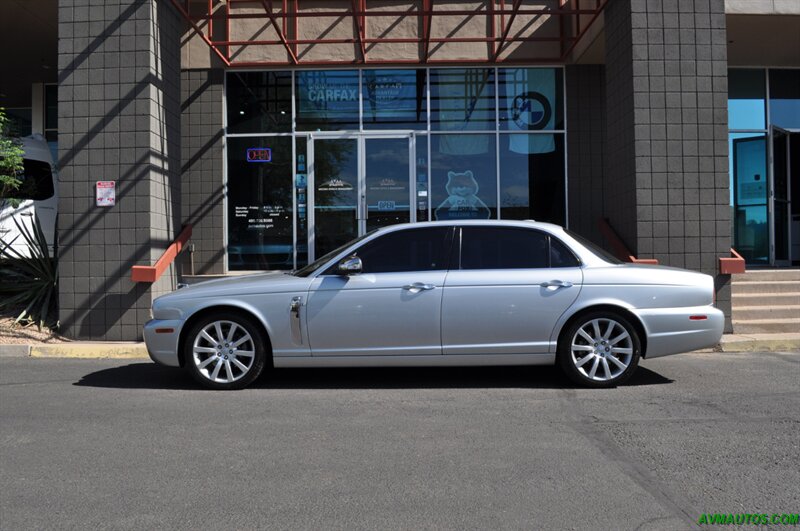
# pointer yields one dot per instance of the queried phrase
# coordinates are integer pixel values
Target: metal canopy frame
(500, 15)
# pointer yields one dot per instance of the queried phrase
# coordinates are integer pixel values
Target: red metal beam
(359, 30)
(582, 32)
(152, 273)
(358, 12)
(199, 31)
(268, 7)
(506, 30)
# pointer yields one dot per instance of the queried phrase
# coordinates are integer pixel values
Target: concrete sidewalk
(133, 350)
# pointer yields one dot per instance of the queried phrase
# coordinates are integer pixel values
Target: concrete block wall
(202, 170)
(586, 147)
(119, 114)
(667, 164)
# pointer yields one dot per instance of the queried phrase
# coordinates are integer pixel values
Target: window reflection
(394, 99)
(260, 203)
(462, 99)
(327, 100)
(784, 98)
(749, 191)
(530, 99)
(259, 102)
(463, 177)
(746, 93)
(532, 177)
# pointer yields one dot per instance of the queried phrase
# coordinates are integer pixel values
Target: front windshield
(595, 249)
(319, 262)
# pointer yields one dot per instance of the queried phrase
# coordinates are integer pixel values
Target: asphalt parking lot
(129, 445)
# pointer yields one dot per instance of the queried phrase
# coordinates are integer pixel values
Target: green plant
(28, 280)
(11, 156)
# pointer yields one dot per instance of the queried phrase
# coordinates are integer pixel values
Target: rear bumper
(671, 331)
(162, 346)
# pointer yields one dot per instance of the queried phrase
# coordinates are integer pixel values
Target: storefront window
(327, 100)
(259, 102)
(260, 213)
(463, 176)
(374, 147)
(746, 103)
(748, 155)
(530, 99)
(462, 99)
(784, 98)
(532, 177)
(394, 99)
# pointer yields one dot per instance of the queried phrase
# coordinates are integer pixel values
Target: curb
(737, 344)
(105, 350)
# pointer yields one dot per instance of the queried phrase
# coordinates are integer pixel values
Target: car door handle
(556, 284)
(28, 214)
(418, 286)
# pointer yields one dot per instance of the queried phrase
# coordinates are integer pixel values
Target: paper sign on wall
(106, 193)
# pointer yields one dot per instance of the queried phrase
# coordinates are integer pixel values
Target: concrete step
(766, 312)
(766, 326)
(766, 299)
(767, 286)
(768, 274)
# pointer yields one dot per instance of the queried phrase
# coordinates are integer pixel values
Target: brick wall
(586, 139)
(201, 172)
(667, 164)
(119, 119)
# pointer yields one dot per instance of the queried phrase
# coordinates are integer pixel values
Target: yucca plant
(28, 280)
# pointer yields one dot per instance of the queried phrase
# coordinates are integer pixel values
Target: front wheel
(225, 351)
(600, 349)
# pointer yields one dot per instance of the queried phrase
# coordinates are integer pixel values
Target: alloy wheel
(223, 352)
(601, 349)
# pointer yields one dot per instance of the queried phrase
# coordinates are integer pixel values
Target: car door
(393, 307)
(505, 296)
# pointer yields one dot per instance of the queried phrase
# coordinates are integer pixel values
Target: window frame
(456, 255)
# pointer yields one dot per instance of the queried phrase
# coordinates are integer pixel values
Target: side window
(503, 248)
(561, 256)
(406, 250)
(37, 182)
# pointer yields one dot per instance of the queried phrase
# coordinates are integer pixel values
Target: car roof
(528, 223)
(36, 148)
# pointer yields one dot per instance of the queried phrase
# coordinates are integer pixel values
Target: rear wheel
(600, 349)
(225, 351)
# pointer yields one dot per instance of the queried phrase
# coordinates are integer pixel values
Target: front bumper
(671, 331)
(162, 346)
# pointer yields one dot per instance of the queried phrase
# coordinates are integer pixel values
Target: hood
(273, 282)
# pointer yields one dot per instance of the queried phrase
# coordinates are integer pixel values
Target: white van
(38, 194)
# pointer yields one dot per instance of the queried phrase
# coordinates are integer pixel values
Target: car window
(503, 248)
(560, 255)
(406, 250)
(37, 182)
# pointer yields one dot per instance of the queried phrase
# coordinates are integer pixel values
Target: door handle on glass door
(556, 284)
(418, 286)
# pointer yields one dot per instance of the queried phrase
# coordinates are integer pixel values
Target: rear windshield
(37, 182)
(595, 249)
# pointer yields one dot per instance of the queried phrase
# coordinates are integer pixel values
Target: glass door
(780, 195)
(387, 178)
(334, 208)
(357, 183)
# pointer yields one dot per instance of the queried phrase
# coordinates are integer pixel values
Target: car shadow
(152, 376)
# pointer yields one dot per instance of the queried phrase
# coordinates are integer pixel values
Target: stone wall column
(667, 132)
(119, 120)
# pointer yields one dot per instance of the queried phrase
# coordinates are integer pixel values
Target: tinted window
(502, 248)
(37, 182)
(407, 250)
(561, 256)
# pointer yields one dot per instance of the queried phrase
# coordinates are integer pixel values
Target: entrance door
(785, 217)
(360, 183)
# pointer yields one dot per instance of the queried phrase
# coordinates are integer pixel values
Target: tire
(599, 349)
(244, 342)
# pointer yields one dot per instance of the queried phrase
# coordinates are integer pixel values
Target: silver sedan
(440, 294)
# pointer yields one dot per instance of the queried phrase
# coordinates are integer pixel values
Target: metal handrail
(152, 273)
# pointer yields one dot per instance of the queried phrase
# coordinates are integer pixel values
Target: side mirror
(350, 266)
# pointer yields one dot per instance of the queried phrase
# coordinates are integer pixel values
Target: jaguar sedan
(440, 294)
